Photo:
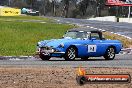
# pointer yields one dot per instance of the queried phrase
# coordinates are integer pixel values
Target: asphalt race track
(124, 29)
(119, 61)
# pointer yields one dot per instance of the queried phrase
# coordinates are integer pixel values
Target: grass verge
(127, 43)
(20, 38)
(14, 18)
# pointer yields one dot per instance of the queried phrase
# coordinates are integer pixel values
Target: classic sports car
(79, 44)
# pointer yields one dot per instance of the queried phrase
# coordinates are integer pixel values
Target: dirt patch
(53, 77)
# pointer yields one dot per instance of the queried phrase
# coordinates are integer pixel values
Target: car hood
(56, 42)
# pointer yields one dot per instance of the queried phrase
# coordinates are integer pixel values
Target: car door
(95, 45)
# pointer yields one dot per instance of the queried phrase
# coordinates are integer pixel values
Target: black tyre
(110, 53)
(43, 57)
(81, 80)
(71, 53)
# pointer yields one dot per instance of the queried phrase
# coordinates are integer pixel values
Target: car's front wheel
(43, 57)
(71, 53)
(110, 53)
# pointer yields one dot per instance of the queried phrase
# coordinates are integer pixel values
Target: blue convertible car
(79, 44)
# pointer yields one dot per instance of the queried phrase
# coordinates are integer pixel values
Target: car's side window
(95, 35)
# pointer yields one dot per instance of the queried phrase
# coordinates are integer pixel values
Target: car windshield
(76, 35)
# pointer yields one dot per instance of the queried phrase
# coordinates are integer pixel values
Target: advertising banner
(119, 2)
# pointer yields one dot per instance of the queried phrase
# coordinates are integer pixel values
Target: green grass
(20, 38)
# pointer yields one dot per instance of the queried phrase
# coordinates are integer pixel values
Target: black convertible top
(91, 30)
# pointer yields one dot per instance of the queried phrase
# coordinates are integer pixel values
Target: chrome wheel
(110, 53)
(71, 53)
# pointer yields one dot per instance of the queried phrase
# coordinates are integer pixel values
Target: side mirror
(93, 39)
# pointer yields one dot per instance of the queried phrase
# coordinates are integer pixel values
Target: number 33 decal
(92, 48)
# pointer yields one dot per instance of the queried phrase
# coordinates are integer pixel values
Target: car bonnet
(56, 42)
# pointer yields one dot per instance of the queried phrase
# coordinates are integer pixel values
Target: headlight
(53, 50)
(62, 45)
(38, 43)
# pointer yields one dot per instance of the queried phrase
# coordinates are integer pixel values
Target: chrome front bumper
(48, 52)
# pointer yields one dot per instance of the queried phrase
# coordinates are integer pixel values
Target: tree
(30, 2)
(45, 7)
(65, 8)
(83, 6)
(18, 3)
(54, 6)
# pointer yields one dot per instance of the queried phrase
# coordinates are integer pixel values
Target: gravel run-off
(54, 77)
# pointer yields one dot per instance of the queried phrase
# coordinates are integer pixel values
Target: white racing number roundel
(92, 48)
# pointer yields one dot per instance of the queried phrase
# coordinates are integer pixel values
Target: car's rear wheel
(43, 57)
(110, 53)
(71, 53)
